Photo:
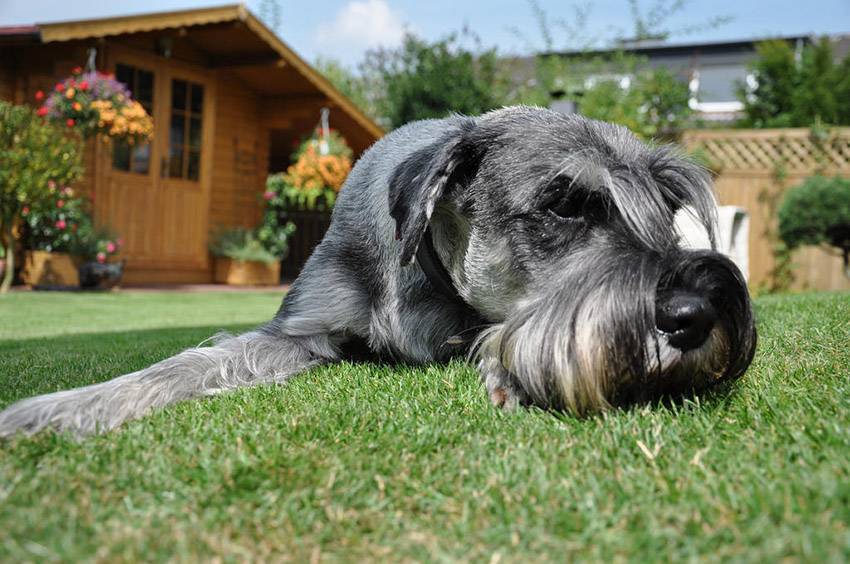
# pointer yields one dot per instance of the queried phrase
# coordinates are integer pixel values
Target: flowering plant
(96, 243)
(51, 224)
(61, 223)
(315, 178)
(94, 102)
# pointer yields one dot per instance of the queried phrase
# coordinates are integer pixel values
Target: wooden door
(156, 196)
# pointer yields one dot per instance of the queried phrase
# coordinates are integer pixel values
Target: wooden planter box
(246, 273)
(42, 268)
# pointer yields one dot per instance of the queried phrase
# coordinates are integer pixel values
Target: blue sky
(345, 29)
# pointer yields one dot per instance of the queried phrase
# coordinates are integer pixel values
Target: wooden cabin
(229, 100)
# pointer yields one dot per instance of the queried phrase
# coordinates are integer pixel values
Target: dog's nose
(686, 318)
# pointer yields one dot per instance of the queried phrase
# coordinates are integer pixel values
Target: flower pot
(101, 276)
(246, 272)
(43, 268)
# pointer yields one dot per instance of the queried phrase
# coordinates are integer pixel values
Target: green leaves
(796, 93)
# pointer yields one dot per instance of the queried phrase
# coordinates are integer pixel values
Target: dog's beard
(591, 342)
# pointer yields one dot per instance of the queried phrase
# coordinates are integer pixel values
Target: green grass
(351, 462)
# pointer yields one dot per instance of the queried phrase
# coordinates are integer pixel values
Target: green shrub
(240, 244)
(33, 156)
(816, 213)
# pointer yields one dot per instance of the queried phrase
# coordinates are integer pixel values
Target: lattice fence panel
(761, 151)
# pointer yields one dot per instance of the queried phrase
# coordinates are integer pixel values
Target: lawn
(365, 461)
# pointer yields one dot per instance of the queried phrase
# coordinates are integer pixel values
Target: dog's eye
(579, 204)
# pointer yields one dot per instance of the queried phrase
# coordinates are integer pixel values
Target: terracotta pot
(246, 272)
(43, 268)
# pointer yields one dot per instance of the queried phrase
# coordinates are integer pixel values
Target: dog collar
(435, 271)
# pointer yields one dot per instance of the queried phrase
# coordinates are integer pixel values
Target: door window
(134, 158)
(184, 138)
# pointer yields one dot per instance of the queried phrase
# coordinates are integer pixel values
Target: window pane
(175, 162)
(178, 94)
(195, 133)
(177, 131)
(141, 158)
(120, 156)
(124, 73)
(717, 82)
(197, 98)
(144, 89)
(194, 168)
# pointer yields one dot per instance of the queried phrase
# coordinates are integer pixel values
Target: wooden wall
(754, 168)
(240, 156)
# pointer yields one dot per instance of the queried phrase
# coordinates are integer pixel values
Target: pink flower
(101, 257)
(42, 111)
(268, 195)
(60, 204)
(110, 247)
(25, 210)
(39, 95)
(60, 224)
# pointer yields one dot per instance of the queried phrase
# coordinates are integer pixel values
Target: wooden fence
(754, 168)
(310, 227)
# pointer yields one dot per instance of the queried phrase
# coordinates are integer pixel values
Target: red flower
(39, 95)
(60, 87)
(77, 70)
(70, 122)
(83, 85)
(268, 195)
(60, 224)
(60, 204)
(42, 111)
(25, 210)
(101, 258)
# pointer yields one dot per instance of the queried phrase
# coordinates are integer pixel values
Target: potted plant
(34, 156)
(93, 250)
(50, 228)
(243, 259)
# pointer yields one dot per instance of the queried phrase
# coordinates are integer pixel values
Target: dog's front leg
(258, 357)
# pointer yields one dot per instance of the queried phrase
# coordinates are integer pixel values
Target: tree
(654, 105)
(33, 154)
(792, 91)
(422, 79)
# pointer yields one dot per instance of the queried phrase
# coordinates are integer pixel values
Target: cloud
(360, 24)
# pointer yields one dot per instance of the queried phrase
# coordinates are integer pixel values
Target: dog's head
(560, 231)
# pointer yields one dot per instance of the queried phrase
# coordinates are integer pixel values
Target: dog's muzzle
(629, 328)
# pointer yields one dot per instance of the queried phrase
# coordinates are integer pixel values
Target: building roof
(660, 46)
(259, 47)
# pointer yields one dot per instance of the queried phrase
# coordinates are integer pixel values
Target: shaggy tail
(231, 362)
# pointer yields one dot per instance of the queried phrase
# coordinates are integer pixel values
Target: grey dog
(541, 242)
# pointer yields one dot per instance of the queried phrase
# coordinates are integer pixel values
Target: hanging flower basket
(94, 103)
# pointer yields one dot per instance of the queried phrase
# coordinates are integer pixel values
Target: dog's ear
(423, 178)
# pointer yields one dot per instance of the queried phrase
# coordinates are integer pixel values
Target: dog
(541, 244)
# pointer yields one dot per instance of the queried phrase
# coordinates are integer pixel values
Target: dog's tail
(230, 362)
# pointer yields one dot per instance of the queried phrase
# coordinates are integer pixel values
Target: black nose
(686, 318)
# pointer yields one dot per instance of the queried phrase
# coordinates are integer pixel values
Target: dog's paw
(500, 386)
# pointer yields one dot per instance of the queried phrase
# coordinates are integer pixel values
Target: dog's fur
(558, 234)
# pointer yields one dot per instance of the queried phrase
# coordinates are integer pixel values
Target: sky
(346, 29)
